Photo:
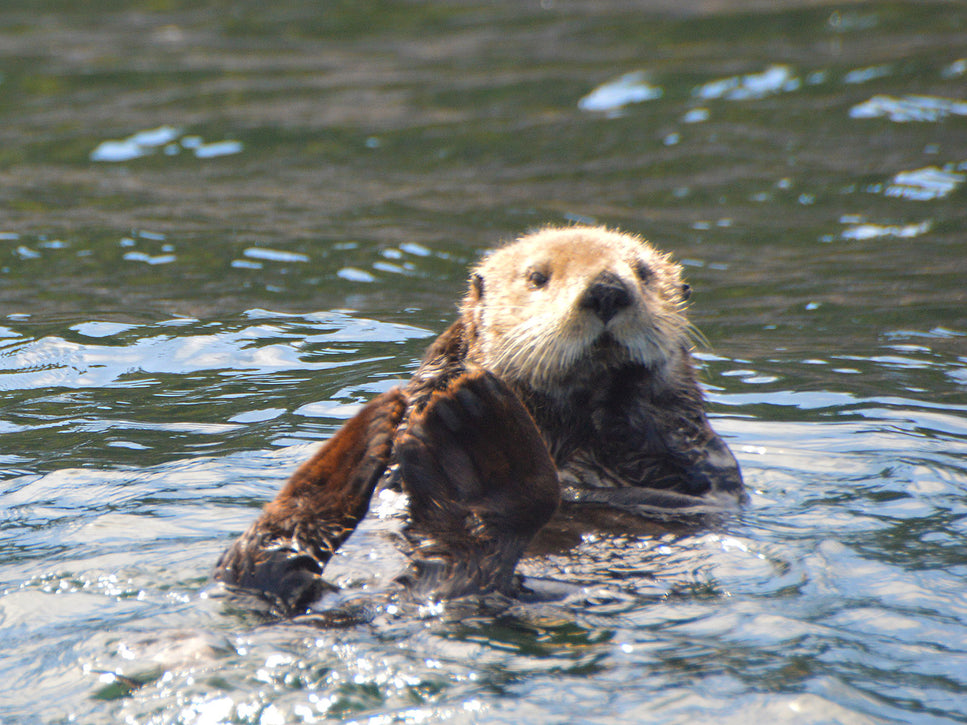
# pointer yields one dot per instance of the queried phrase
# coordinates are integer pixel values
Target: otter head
(561, 307)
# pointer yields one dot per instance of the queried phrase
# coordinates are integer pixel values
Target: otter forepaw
(282, 555)
(481, 484)
(291, 580)
(476, 446)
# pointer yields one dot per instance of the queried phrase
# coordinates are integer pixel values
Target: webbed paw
(481, 484)
(289, 579)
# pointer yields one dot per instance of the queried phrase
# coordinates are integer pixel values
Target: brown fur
(568, 377)
(481, 484)
(588, 327)
(284, 551)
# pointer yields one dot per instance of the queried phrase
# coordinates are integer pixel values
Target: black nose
(606, 296)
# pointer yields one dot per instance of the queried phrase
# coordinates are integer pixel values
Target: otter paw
(475, 450)
(481, 484)
(282, 554)
(288, 579)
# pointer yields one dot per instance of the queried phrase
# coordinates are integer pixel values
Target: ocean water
(225, 227)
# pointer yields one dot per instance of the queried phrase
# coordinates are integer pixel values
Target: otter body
(587, 327)
(566, 385)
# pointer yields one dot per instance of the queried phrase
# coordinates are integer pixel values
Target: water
(222, 228)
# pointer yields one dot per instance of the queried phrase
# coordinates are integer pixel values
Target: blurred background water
(223, 225)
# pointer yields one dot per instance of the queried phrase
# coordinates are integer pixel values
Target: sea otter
(566, 387)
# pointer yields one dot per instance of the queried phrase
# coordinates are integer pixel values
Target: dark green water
(284, 220)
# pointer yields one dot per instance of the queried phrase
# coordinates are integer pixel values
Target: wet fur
(282, 554)
(568, 379)
(617, 403)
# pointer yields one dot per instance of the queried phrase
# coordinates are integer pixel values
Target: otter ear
(686, 291)
(476, 286)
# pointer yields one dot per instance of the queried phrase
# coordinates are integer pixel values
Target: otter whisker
(529, 348)
(697, 336)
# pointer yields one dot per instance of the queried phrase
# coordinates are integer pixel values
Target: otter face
(563, 305)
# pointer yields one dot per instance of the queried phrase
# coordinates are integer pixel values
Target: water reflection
(909, 108)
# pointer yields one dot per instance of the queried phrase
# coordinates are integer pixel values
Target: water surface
(223, 227)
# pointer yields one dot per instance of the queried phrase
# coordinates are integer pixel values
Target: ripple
(25, 252)
(620, 92)
(354, 274)
(145, 143)
(774, 79)
(865, 75)
(218, 148)
(102, 329)
(696, 115)
(909, 108)
(139, 144)
(54, 361)
(415, 249)
(148, 258)
(274, 255)
(257, 416)
(955, 69)
(874, 231)
(924, 184)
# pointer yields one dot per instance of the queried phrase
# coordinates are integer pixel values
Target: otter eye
(536, 279)
(686, 291)
(643, 271)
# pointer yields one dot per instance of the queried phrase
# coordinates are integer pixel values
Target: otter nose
(606, 296)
